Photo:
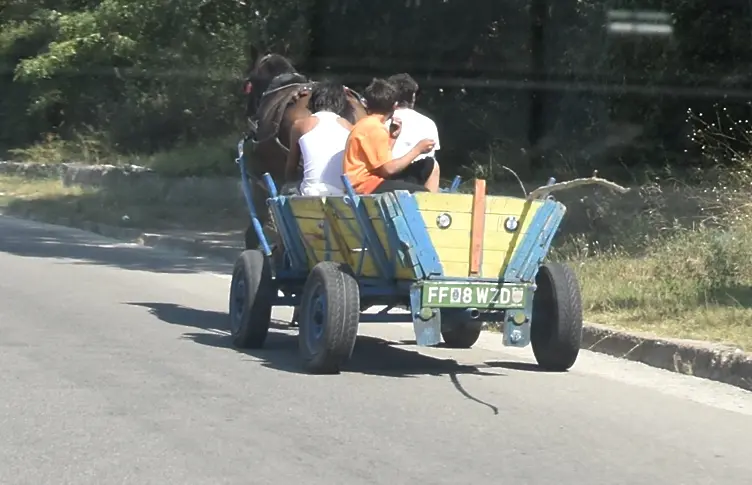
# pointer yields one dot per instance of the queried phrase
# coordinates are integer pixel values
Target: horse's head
(263, 70)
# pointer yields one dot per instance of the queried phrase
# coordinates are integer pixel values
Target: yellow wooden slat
(311, 207)
(456, 263)
(453, 244)
(313, 232)
(306, 207)
(462, 203)
(449, 239)
(495, 204)
(310, 214)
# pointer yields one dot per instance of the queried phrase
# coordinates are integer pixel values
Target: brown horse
(277, 96)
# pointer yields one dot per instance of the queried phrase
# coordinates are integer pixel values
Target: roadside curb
(690, 357)
(191, 246)
(705, 360)
(158, 241)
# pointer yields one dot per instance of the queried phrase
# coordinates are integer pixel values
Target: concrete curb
(690, 357)
(191, 246)
(158, 241)
(698, 359)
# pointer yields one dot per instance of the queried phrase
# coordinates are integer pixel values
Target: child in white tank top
(320, 140)
(322, 149)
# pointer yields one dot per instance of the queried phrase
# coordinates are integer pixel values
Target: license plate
(473, 295)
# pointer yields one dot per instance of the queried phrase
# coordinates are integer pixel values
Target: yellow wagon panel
(453, 243)
(328, 222)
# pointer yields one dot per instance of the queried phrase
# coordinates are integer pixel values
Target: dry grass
(676, 264)
(205, 158)
(51, 201)
(14, 189)
(696, 285)
(83, 148)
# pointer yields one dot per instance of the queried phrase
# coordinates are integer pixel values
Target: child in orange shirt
(368, 159)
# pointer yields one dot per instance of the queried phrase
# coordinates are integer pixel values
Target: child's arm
(377, 151)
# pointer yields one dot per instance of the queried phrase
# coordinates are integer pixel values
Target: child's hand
(395, 127)
(426, 145)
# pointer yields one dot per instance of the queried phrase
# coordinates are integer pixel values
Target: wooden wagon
(453, 260)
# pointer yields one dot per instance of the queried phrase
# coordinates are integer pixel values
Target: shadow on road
(372, 355)
(498, 364)
(511, 365)
(191, 317)
(30, 239)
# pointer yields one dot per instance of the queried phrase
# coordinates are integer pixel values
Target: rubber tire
(253, 323)
(458, 332)
(339, 288)
(556, 324)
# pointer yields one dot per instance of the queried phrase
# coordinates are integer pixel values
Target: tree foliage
(151, 74)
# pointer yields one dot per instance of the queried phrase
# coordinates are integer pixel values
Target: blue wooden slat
(248, 194)
(394, 257)
(364, 222)
(416, 227)
(530, 263)
(290, 232)
(544, 243)
(515, 268)
(399, 234)
(455, 184)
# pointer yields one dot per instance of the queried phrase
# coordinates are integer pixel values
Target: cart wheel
(556, 324)
(459, 330)
(329, 317)
(251, 295)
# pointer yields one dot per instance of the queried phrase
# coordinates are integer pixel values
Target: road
(115, 369)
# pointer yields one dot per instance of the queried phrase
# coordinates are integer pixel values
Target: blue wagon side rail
(454, 260)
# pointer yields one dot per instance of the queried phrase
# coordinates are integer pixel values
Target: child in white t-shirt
(408, 127)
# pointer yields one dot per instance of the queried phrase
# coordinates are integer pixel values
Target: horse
(277, 96)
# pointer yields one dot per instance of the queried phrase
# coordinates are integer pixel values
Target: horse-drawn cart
(454, 260)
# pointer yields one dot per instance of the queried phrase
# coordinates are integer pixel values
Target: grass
(203, 158)
(144, 209)
(82, 148)
(696, 285)
(149, 209)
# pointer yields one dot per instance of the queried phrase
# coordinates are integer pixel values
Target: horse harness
(302, 89)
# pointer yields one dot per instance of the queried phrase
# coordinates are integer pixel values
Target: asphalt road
(115, 369)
